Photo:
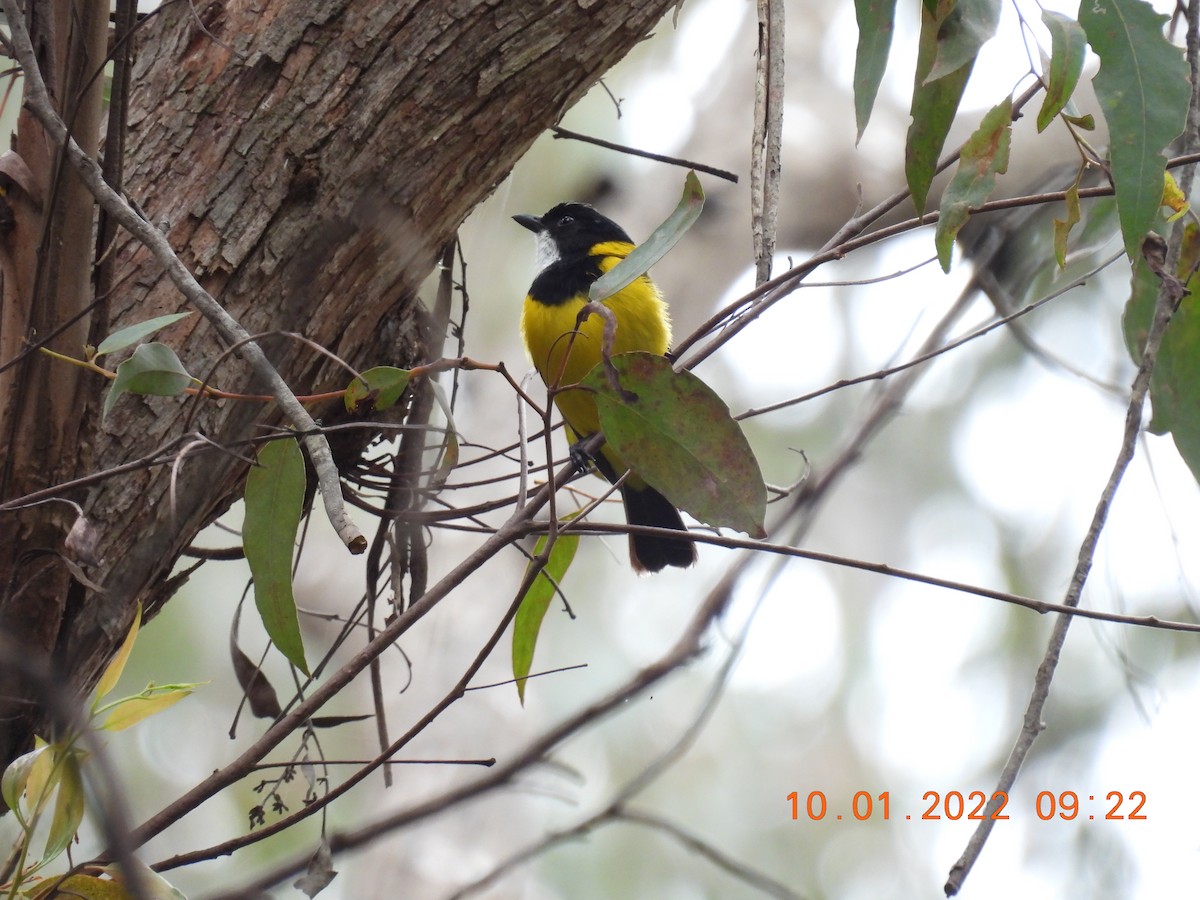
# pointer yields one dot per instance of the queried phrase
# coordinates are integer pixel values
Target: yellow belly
(564, 359)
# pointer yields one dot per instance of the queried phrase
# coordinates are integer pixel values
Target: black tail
(650, 553)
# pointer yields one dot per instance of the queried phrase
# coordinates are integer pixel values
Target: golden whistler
(575, 246)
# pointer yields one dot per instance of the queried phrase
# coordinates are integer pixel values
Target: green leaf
(678, 436)
(153, 369)
(1175, 384)
(1068, 45)
(131, 710)
(967, 26)
(1062, 227)
(379, 388)
(16, 779)
(984, 155)
(1143, 91)
(46, 769)
(112, 674)
(68, 806)
(875, 26)
(43, 778)
(133, 334)
(536, 602)
(274, 497)
(1139, 310)
(655, 247)
(1087, 123)
(934, 104)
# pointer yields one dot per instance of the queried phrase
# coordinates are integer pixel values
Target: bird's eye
(566, 220)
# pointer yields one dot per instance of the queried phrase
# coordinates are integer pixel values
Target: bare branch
(563, 133)
(765, 144)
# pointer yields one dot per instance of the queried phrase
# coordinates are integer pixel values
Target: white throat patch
(547, 252)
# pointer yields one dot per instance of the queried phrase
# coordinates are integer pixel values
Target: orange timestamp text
(1114, 806)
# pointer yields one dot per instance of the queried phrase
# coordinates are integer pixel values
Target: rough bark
(306, 161)
(45, 424)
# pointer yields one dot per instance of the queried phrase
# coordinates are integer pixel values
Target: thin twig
(456, 693)
(788, 550)
(125, 21)
(689, 645)
(618, 808)
(562, 133)
(880, 374)
(1032, 720)
(849, 237)
(717, 857)
(517, 526)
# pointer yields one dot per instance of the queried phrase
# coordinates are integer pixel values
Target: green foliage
(536, 602)
(1175, 384)
(951, 35)
(1062, 227)
(112, 674)
(133, 334)
(154, 699)
(68, 804)
(94, 887)
(984, 155)
(1143, 90)
(153, 369)
(675, 433)
(49, 781)
(47, 778)
(128, 711)
(1142, 87)
(875, 27)
(377, 389)
(963, 27)
(1068, 45)
(274, 502)
(655, 247)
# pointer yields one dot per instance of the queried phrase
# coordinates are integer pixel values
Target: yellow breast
(563, 354)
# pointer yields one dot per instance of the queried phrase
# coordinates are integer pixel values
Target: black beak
(533, 223)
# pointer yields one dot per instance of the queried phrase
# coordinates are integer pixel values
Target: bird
(576, 245)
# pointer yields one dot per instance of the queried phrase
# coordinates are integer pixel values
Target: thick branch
(38, 102)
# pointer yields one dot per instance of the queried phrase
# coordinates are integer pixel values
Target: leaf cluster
(47, 785)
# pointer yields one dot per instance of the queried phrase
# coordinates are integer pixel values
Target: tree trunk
(306, 161)
(46, 423)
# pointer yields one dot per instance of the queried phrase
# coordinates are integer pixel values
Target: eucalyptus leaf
(274, 501)
(655, 247)
(676, 434)
(153, 369)
(536, 602)
(137, 332)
